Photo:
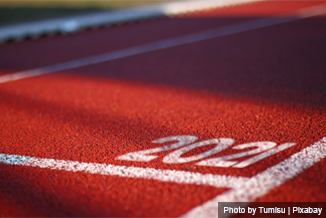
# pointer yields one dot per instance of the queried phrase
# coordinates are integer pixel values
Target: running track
(252, 79)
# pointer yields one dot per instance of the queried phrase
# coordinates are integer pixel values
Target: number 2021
(261, 150)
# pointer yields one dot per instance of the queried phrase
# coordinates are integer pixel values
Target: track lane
(49, 51)
(99, 112)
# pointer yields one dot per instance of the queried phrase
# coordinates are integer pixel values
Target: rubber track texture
(260, 85)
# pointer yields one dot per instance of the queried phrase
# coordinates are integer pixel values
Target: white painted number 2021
(260, 151)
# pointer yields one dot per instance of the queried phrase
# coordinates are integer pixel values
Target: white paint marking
(14, 159)
(181, 177)
(168, 43)
(221, 144)
(242, 189)
(224, 161)
(175, 157)
(262, 183)
(261, 156)
(144, 154)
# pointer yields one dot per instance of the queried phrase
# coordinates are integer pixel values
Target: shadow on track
(281, 64)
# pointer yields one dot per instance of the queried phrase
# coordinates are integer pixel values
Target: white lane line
(242, 189)
(181, 177)
(168, 43)
(262, 183)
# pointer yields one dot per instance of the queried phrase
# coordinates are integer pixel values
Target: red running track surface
(266, 84)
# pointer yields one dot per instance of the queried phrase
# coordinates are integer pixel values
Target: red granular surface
(260, 85)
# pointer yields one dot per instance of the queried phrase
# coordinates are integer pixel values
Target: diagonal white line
(168, 43)
(262, 183)
(181, 177)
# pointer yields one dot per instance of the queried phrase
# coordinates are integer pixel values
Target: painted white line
(168, 43)
(181, 177)
(242, 189)
(76, 23)
(262, 183)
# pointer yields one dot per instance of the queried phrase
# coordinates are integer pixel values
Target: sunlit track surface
(178, 114)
